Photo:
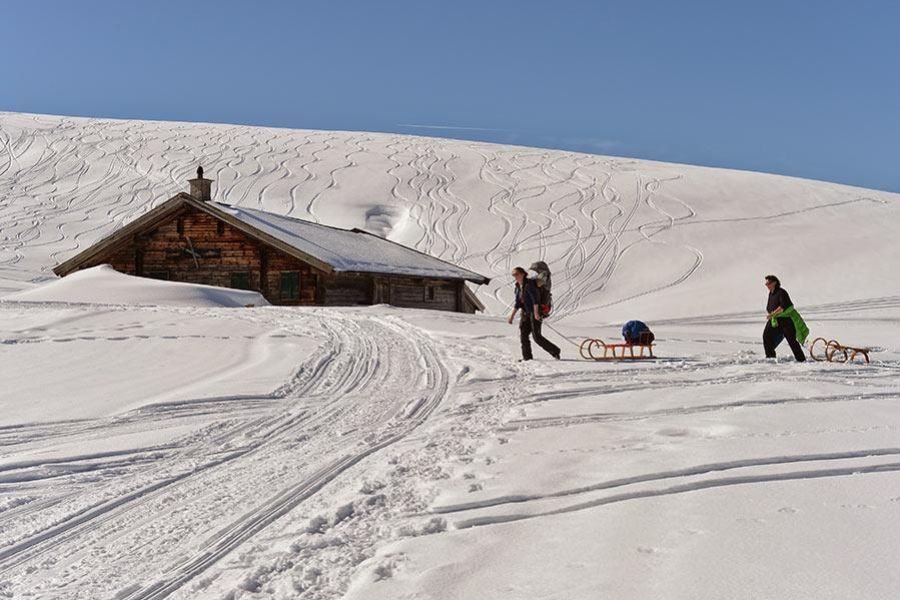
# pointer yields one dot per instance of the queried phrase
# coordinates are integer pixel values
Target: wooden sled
(590, 349)
(834, 351)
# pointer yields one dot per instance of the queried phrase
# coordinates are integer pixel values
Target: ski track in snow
(66, 182)
(685, 488)
(678, 474)
(235, 468)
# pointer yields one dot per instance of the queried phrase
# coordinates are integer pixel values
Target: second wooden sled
(591, 349)
(834, 351)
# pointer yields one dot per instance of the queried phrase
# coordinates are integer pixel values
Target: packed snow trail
(649, 465)
(257, 460)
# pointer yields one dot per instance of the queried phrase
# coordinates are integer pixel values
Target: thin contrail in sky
(451, 127)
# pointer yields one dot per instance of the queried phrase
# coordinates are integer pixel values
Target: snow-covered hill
(624, 236)
(159, 444)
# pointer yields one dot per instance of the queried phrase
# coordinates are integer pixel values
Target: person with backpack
(783, 321)
(528, 301)
(543, 282)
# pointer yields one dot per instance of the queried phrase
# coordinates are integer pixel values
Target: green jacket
(799, 324)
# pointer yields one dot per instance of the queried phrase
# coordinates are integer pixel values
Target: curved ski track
(66, 182)
(263, 457)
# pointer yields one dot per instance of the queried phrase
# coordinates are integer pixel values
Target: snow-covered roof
(348, 250)
(328, 248)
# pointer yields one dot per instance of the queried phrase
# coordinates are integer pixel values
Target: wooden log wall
(195, 247)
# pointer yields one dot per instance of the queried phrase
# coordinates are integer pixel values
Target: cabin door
(381, 291)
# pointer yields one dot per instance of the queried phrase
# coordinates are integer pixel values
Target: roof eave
(159, 212)
(479, 306)
(163, 210)
(476, 279)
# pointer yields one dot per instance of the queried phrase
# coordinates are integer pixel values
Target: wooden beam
(263, 271)
(322, 288)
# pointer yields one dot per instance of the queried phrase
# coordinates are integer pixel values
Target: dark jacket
(526, 298)
(778, 297)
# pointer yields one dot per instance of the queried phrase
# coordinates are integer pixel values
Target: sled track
(688, 487)
(706, 408)
(679, 473)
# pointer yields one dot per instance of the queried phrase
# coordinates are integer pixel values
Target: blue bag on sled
(637, 332)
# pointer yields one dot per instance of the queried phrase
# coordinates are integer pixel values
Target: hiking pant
(531, 327)
(772, 336)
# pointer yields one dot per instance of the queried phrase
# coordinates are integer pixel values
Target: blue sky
(806, 88)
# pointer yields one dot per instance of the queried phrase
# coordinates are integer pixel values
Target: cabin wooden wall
(412, 293)
(408, 292)
(195, 247)
(170, 249)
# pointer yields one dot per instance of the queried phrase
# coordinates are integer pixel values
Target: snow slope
(622, 234)
(208, 452)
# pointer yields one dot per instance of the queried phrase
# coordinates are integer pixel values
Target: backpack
(543, 282)
(637, 332)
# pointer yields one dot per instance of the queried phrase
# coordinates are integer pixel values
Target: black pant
(772, 336)
(531, 327)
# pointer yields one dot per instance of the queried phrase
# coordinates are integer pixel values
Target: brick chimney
(200, 187)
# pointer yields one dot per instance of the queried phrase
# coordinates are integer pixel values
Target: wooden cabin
(289, 261)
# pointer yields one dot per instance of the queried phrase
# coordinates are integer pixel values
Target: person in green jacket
(783, 322)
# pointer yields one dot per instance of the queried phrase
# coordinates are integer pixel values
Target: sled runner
(834, 351)
(591, 350)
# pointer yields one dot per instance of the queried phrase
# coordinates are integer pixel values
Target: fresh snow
(105, 285)
(152, 447)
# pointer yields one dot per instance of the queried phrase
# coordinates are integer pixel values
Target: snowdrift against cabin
(105, 285)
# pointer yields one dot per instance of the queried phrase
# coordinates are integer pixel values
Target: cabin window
(429, 293)
(179, 225)
(290, 286)
(164, 275)
(240, 280)
(220, 228)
